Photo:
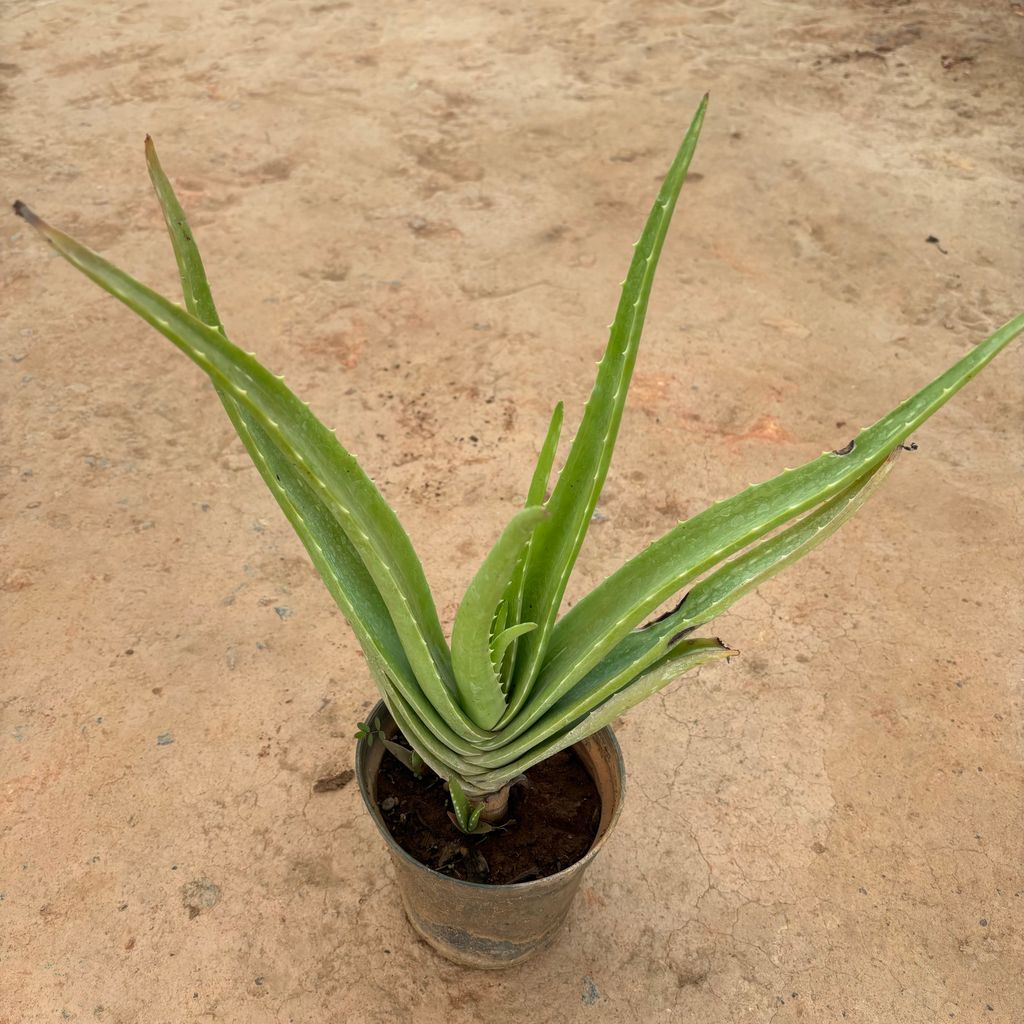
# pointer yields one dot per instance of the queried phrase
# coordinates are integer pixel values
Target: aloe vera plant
(516, 683)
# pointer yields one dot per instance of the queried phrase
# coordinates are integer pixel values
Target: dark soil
(552, 822)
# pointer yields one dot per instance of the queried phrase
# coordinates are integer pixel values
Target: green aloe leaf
(467, 816)
(714, 594)
(333, 555)
(598, 621)
(475, 675)
(194, 285)
(507, 636)
(546, 459)
(368, 521)
(535, 496)
(678, 661)
(644, 647)
(556, 543)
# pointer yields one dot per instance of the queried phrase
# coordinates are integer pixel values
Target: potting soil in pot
(552, 822)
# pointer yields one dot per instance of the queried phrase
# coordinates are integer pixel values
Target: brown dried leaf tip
(23, 211)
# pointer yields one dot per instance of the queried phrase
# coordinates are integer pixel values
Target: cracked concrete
(421, 217)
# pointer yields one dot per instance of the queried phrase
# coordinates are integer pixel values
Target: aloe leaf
(507, 636)
(677, 662)
(463, 811)
(409, 758)
(634, 655)
(332, 553)
(367, 519)
(546, 459)
(337, 561)
(641, 648)
(556, 543)
(500, 618)
(714, 594)
(478, 684)
(535, 496)
(597, 622)
(441, 756)
(194, 285)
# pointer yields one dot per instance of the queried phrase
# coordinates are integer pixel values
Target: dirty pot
(492, 926)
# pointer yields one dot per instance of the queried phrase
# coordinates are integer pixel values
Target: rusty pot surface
(492, 926)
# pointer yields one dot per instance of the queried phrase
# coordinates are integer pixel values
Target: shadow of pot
(492, 926)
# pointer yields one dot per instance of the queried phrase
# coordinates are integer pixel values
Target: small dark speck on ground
(983, 922)
(590, 992)
(282, 612)
(164, 739)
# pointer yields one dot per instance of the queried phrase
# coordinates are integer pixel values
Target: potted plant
(516, 686)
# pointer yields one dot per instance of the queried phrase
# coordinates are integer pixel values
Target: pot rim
(371, 806)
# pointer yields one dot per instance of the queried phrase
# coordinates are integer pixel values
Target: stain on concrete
(198, 895)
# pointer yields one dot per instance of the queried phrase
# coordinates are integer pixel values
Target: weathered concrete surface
(420, 213)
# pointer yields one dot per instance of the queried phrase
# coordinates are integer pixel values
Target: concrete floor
(420, 214)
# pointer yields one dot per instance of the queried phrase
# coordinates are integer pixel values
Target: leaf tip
(25, 212)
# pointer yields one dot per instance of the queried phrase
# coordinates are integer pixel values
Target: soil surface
(552, 821)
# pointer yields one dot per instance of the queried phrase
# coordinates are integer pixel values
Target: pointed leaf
(500, 643)
(557, 542)
(336, 560)
(475, 676)
(368, 521)
(463, 813)
(597, 622)
(714, 594)
(535, 496)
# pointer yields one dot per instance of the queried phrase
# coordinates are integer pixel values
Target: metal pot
(492, 926)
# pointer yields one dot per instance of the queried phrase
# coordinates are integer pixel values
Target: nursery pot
(492, 926)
